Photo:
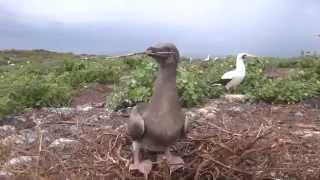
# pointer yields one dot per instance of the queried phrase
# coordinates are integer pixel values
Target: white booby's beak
(251, 55)
(258, 59)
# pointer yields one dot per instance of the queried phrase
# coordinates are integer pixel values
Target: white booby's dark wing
(226, 78)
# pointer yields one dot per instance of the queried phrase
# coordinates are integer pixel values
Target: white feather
(229, 75)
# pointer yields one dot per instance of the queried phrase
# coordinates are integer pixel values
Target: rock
(29, 135)
(309, 135)
(190, 115)
(64, 144)
(21, 161)
(21, 118)
(6, 130)
(99, 105)
(236, 109)
(203, 111)
(26, 136)
(14, 139)
(210, 116)
(19, 122)
(63, 111)
(6, 175)
(236, 97)
(75, 130)
(100, 117)
(273, 174)
(298, 114)
(84, 108)
(212, 108)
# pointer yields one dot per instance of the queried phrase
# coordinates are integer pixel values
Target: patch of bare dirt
(313, 102)
(275, 72)
(226, 140)
(93, 94)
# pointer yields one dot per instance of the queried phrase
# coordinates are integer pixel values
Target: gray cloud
(266, 27)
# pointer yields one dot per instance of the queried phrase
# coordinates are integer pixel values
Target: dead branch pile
(210, 152)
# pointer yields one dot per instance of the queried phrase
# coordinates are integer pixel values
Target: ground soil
(92, 94)
(227, 140)
(274, 72)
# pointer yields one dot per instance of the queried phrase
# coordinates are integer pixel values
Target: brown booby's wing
(136, 125)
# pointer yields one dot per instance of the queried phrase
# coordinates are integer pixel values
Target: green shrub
(193, 82)
(301, 84)
(50, 79)
(137, 86)
(52, 83)
(192, 88)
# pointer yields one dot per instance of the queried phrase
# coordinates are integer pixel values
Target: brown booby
(157, 125)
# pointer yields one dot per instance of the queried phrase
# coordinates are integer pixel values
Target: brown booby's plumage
(157, 125)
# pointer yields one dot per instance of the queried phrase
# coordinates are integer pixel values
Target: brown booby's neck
(165, 87)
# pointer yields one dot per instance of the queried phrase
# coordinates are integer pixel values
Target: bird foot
(144, 167)
(174, 162)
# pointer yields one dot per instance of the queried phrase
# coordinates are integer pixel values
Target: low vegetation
(194, 81)
(42, 78)
(50, 81)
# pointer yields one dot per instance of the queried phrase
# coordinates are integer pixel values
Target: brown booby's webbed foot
(144, 167)
(174, 162)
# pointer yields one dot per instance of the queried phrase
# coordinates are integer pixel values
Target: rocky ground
(229, 138)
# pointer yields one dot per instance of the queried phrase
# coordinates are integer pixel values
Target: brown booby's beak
(156, 52)
(151, 51)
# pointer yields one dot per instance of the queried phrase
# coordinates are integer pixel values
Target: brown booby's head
(164, 53)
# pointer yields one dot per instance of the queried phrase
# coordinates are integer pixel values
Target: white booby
(208, 58)
(232, 79)
(190, 59)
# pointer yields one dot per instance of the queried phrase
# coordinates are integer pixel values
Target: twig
(39, 150)
(224, 130)
(259, 131)
(308, 126)
(200, 167)
(70, 123)
(115, 143)
(140, 53)
(248, 149)
(257, 138)
(225, 147)
(122, 56)
(208, 157)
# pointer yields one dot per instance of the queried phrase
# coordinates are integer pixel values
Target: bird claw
(174, 162)
(144, 167)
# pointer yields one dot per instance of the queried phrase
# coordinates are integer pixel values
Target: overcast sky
(197, 27)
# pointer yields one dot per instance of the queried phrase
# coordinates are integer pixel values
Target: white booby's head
(244, 55)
